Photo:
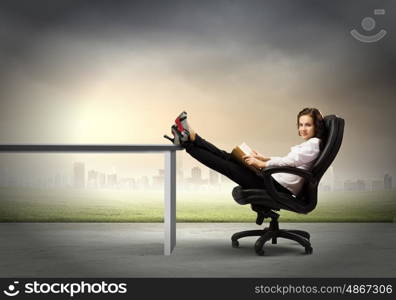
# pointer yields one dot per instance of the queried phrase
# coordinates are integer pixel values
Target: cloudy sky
(119, 72)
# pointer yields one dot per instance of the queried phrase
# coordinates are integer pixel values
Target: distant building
(332, 178)
(225, 179)
(112, 180)
(143, 182)
(387, 182)
(360, 185)
(324, 187)
(349, 185)
(159, 180)
(127, 183)
(196, 176)
(377, 185)
(213, 177)
(196, 181)
(101, 180)
(328, 179)
(58, 180)
(179, 169)
(65, 181)
(79, 175)
(338, 185)
(93, 177)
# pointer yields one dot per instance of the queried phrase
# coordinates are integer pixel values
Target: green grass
(34, 205)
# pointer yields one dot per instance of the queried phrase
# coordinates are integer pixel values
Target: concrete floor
(202, 250)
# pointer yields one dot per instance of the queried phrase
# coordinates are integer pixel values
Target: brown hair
(320, 130)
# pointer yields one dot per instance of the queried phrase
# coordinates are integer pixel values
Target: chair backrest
(308, 197)
(334, 134)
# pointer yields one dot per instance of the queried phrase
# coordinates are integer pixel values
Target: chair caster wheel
(258, 246)
(235, 244)
(260, 252)
(308, 250)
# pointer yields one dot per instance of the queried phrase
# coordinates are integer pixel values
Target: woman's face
(306, 127)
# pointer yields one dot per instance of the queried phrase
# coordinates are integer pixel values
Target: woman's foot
(178, 137)
(183, 127)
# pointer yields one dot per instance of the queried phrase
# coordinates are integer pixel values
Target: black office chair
(266, 201)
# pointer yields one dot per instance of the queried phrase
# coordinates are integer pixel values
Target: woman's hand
(252, 161)
(259, 156)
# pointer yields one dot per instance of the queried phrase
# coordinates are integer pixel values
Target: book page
(245, 148)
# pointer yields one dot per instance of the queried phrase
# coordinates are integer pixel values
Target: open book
(239, 151)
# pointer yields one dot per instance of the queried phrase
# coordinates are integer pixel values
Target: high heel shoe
(182, 124)
(178, 137)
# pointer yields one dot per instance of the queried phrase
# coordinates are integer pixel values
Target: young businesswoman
(310, 126)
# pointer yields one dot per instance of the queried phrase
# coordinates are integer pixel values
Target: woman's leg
(220, 161)
(202, 143)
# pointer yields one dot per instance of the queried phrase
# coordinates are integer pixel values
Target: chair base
(273, 233)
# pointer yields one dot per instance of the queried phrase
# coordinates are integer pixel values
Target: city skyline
(86, 178)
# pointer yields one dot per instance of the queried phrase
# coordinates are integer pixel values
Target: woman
(310, 126)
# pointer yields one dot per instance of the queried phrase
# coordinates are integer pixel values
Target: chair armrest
(291, 170)
(269, 185)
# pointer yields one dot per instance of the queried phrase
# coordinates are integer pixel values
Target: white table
(170, 174)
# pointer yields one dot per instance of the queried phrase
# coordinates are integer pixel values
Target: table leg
(170, 202)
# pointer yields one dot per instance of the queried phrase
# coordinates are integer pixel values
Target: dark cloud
(318, 29)
(238, 33)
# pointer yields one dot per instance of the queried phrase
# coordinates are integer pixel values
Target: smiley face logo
(368, 24)
(12, 291)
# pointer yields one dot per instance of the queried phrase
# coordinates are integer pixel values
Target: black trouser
(220, 161)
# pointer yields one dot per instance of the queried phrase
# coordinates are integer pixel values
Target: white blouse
(301, 156)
